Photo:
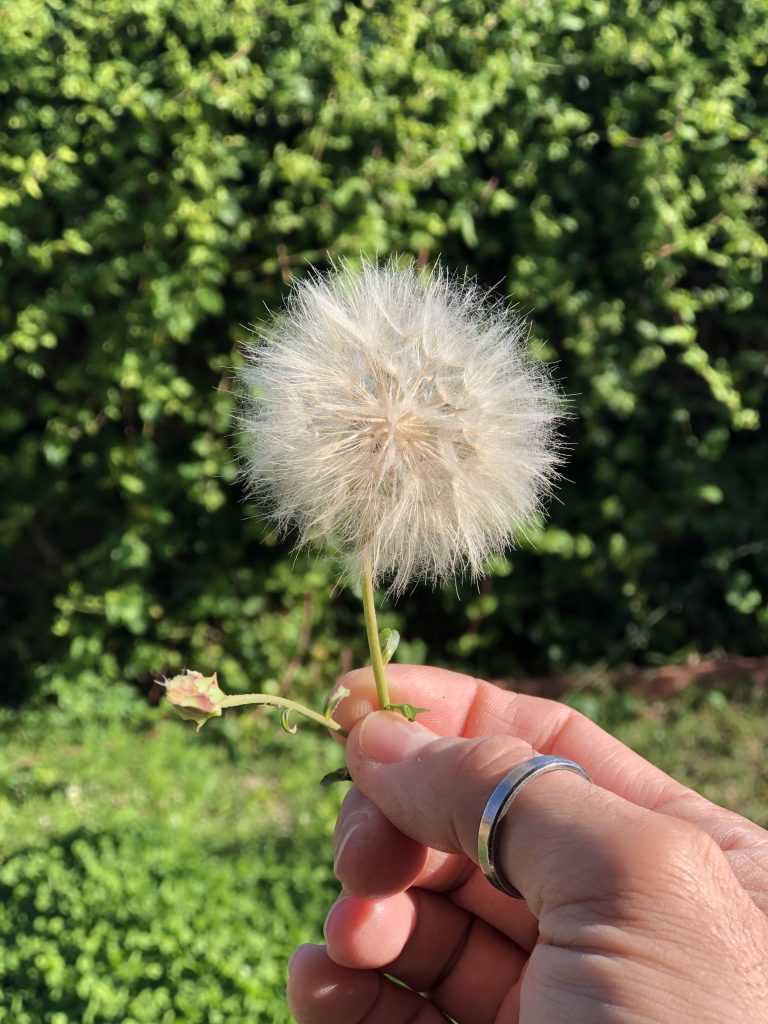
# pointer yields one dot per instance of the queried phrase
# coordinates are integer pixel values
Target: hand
(644, 902)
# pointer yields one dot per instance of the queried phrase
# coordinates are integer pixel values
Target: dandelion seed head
(397, 416)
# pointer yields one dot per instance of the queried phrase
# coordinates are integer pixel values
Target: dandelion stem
(270, 700)
(372, 629)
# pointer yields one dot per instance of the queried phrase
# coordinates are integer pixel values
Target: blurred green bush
(166, 165)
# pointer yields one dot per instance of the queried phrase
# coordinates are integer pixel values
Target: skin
(644, 902)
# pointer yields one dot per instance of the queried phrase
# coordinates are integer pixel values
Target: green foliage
(155, 877)
(165, 166)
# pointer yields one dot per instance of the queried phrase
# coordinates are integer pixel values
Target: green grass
(710, 740)
(151, 875)
(156, 876)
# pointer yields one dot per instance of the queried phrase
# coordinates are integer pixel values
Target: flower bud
(196, 697)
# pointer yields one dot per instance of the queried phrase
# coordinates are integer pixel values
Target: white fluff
(396, 417)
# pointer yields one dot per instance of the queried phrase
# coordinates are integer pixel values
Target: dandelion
(397, 417)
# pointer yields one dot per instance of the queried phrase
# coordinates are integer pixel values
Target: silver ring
(498, 804)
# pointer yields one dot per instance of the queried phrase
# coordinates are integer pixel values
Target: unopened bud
(196, 697)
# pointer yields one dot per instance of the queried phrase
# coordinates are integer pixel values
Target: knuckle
(683, 856)
(689, 840)
(485, 760)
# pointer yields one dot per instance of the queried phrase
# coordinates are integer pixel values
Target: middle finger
(423, 939)
(374, 860)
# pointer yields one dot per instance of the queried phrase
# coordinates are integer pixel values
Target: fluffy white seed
(396, 417)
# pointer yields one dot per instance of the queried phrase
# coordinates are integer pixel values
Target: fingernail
(387, 736)
(351, 825)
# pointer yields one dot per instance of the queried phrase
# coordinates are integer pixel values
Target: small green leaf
(406, 710)
(339, 775)
(332, 701)
(388, 641)
(286, 724)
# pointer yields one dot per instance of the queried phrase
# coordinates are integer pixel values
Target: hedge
(166, 166)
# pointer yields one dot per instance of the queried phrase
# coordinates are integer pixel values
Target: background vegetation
(166, 166)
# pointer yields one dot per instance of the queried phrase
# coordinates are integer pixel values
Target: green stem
(270, 700)
(377, 660)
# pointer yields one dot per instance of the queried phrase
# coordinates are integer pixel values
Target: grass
(707, 739)
(149, 875)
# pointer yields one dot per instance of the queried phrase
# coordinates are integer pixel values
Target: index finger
(460, 705)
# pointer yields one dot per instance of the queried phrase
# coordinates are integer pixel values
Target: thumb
(433, 788)
(562, 841)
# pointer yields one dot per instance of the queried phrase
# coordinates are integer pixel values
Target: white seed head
(397, 417)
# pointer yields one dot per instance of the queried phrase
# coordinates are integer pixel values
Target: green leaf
(332, 701)
(408, 711)
(284, 721)
(388, 641)
(338, 775)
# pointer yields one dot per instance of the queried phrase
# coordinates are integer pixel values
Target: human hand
(644, 902)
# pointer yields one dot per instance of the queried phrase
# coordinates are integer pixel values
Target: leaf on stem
(408, 711)
(339, 775)
(291, 729)
(388, 641)
(332, 701)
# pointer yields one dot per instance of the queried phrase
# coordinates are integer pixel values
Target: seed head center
(401, 430)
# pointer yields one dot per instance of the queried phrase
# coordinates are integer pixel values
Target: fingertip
(302, 958)
(387, 737)
(320, 991)
(372, 857)
(395, 874)
(361, 699)
(368, 934)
